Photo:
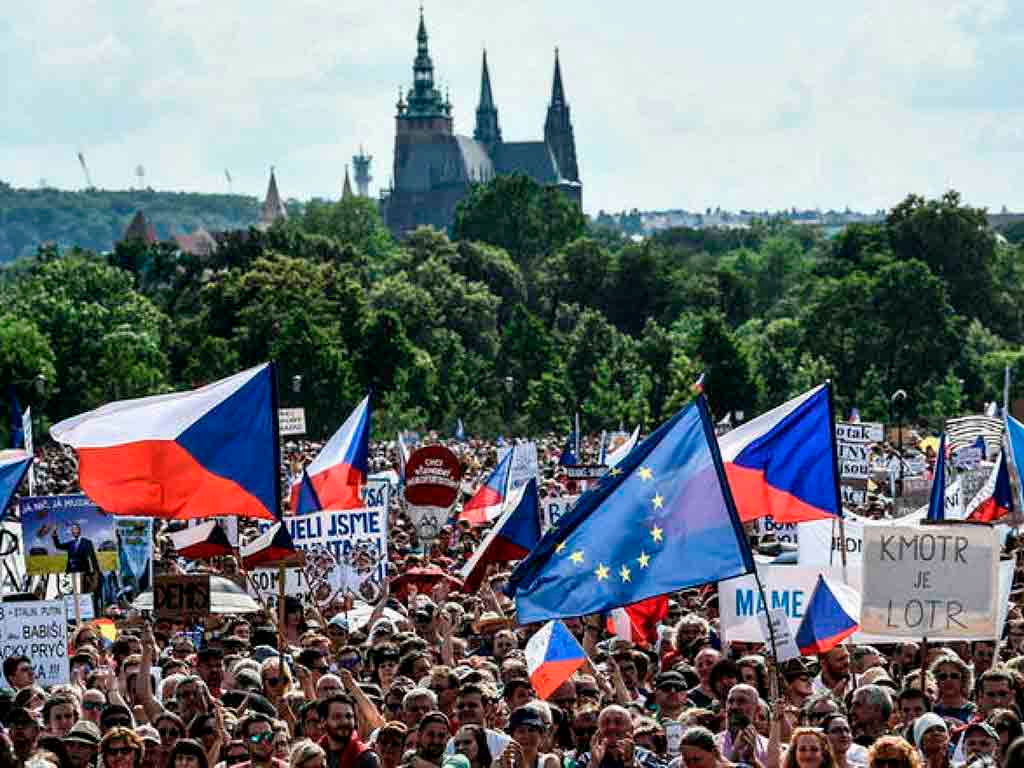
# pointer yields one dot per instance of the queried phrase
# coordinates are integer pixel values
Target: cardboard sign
(785, 644)
(524, 463)
(39, 630)
(181, 597)
(936, 581)
(788, 533)
(292, 421)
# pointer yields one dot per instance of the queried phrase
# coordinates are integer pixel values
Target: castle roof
(533, 158)
(272, 208)
(139, 229)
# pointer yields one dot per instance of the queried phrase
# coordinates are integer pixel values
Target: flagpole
(839, 493)
(741, 534)
(276, 415)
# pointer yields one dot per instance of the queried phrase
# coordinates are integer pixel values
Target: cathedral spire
(346, 189)
(272, 209)
(557, 92)
(424, 98)
(487, 129)
(558, 132)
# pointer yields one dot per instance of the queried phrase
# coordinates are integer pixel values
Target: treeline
(525, 316)
(95, 219)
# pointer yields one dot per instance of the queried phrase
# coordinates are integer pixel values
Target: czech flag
(828, 618)
(274, 547)
(995, 499)
(552, 656)
(334, 479)
(782, 464)
(13, 467)
(211, 452)
(1015, 455)
(937, 500)
(202, 541)
(516, 533)
(638, 623)
(489, 500)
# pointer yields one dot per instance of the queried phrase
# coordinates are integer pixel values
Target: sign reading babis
(939, 582)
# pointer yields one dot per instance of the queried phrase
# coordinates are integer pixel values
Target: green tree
(727, 382)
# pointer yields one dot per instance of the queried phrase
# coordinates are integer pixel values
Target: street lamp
(897, 401)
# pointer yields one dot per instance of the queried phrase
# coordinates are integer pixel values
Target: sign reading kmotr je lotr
(939, 582)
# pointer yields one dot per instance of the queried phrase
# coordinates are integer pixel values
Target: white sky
(675, 104)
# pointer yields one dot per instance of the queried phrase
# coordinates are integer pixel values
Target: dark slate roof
(477, 162)
(533, 158)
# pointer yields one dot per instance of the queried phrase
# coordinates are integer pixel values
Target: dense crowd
(438, 678)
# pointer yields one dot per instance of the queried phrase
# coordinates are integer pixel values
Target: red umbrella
(423, 579)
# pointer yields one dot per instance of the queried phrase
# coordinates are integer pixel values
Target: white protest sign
(524, 463)
(554, 507)
(84, 606)
(819, 540)
(939, 582)
(39, 630)
(954, 501)
(859, 432)
(788, 533)
(789, 587)
(291, 421)
(785, 644)
(352, 541)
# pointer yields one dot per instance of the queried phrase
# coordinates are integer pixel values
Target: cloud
(674, 105)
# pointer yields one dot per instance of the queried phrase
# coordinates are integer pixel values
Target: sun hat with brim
(84, 732)
(925, 723)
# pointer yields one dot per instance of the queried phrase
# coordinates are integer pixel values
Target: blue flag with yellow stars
(662, 520)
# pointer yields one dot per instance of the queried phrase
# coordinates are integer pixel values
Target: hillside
(95, 218)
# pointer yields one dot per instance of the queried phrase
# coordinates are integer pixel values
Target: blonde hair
(278, 664)
(303, 751)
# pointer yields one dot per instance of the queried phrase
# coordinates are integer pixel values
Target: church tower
(423, 110)
(487, 130)
(346, 188)
(361, 163)
(558, 129)
(273, 209)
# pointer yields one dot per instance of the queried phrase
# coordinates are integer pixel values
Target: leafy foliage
(528, 316)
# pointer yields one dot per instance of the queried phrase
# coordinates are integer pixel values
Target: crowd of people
(438, 678)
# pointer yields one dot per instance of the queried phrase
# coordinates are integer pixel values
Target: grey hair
(305, 750)
(419, 693)
(876, 696)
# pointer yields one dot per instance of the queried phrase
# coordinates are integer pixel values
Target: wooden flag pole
(282, 629)
(76, 592)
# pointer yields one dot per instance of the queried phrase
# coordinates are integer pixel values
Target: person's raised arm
(369, 717)
(143, 680)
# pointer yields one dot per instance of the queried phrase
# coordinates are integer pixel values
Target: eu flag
(662, 520)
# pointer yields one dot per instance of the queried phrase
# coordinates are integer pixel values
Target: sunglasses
(266, 736)
(92, 706)
(947, 676)
(169, 734)
(118, 751)
(125, 723)
(889, 762)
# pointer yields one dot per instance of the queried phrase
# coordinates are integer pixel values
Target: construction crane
(85, 170)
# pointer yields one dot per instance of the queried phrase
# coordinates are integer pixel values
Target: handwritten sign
(937, 581)
(291, 421)
(179, 597)
(37, 629)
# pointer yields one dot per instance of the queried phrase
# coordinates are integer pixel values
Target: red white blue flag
(831, 616)
(334, 479)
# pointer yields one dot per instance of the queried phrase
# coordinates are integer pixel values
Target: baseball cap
(525, 716)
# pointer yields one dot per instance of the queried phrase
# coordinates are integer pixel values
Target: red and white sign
(432, 477)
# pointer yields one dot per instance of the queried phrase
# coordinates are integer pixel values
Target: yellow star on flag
(656, 533)
(577, 556)
(560, 548)
(601, 572)
(644, 559)
(658, 501)
(624, 573)
(645, 473)
(614, 472)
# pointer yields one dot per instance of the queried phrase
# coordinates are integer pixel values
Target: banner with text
(553, 508)
(346, 551)
(67, 534)
(939, 582)
(39, 630)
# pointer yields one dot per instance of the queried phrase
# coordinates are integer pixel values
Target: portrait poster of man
(68, 534)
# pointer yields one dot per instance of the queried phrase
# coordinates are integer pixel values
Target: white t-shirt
(496, 742)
